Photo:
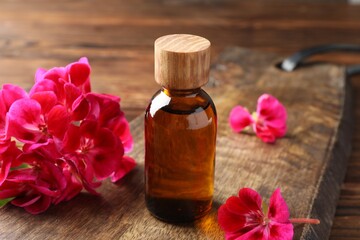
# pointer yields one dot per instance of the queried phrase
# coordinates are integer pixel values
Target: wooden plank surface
(118, 36)
(308, 164)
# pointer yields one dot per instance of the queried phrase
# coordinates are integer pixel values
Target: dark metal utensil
(292, 62)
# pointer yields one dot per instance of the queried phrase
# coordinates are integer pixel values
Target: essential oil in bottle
(180, 131)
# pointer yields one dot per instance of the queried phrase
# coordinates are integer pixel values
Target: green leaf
(3, 202)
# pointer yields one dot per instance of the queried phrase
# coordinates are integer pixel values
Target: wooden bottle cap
(182, 61)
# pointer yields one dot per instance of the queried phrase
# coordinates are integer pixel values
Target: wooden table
(117, 36)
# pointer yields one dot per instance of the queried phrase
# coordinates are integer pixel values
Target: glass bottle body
(180, 138)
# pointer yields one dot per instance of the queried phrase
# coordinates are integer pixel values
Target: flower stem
(305, 220)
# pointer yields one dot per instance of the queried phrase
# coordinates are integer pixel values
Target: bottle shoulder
(181, 104)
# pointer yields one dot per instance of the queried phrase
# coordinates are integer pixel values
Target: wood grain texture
(118, 36)
(303, 164)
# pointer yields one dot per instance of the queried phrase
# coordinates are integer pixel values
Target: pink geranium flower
(67, 138)
(34, 188)
(268, 122)
(34, 121)
(77, 73)
(106, 109)
(97, 149)
(246, 217)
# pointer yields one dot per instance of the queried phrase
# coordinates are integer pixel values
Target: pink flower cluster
(59, 138)
(268, 122)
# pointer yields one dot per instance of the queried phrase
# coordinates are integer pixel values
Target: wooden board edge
(335, 171)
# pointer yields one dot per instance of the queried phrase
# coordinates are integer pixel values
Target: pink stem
(305, 220)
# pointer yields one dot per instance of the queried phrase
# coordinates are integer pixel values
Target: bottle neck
(180, 93)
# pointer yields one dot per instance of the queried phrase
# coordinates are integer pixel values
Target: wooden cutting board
(308, 164)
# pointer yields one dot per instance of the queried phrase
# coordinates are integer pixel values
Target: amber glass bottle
(180, 131)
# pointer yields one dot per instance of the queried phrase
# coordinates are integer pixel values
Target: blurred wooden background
(117, 36)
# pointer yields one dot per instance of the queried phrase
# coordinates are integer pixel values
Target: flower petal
(103, 165)
(9, 192)
(55, 74)
(271, 122)
(124, 166)
(264, 133)
(267, 105)
(80, 108)
(232, 235)
(84, 172)
(103, 107)
(239, 118)
(10, 189)
(249, 200)
(58, 121)
(3, 112)
(24, 120)
(6, 160)
(256, 233)
(5, 168)
(4, 145)
(71, 93)
(10, 93)
(43, 85)
(78, 73)
(45, 190)
(84, 60)
(39, 206)
(25, 200)
(120, 126)
(22, 175)
(71, 141)
(272, 114)
(241, 213)
(59, 76)
(47, 100)
(105, 154)
(86, 85)
(229, 221)
(278, 209)
(73, 187)
(281, 231)
(39, 74)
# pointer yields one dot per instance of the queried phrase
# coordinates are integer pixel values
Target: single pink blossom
(29, 122)
(97, 147)
(268, 122)
(56, 80)
(245, 217)
(73, 184)
(271, 118)
(35, 188)
(106, 110)
(99, 153)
